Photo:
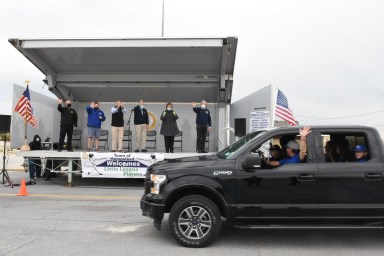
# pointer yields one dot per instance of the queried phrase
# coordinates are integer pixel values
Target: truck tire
(194, 221)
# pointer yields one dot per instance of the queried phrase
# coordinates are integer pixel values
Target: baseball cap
(293, 145)
(360, 148)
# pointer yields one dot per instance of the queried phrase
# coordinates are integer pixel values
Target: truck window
(275, 149)
(344, 147)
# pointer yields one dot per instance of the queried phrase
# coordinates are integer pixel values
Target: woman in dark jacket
(169, 126)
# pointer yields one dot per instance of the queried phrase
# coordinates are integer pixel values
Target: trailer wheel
(194, 221)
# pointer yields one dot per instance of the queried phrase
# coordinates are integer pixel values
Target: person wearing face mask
(67, 123)
(169, 126)
(95, 118)
(117, 126)
(141, 121)
(203, 124)
(34, 165)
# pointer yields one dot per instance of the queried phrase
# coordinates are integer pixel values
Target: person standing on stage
(203, 124)
(95, 118)
(141, 121)
(67, 123)
(117, 126)
(169, 126)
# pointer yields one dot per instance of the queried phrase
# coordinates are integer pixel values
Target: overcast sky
(327, 56)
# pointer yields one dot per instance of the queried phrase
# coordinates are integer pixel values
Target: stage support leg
(70, 170)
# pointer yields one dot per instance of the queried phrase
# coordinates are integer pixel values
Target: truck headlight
(157, 180)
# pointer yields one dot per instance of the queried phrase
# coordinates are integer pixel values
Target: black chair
(178, 139)
(103, 140)
(151, 137)
(76, 139)
(127, 140)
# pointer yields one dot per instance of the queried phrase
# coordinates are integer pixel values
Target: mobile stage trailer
(158, 70)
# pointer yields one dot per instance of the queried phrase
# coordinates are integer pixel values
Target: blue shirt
(93, 117)
(291, 160)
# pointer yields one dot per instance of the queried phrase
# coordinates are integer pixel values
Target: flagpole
(25, 147)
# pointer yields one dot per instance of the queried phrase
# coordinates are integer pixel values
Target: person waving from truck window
(95, 118)
(203, 124)
(295, 153)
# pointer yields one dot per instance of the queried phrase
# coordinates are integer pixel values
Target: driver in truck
(295, 152)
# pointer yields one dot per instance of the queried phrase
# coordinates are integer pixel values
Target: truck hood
(185, 162)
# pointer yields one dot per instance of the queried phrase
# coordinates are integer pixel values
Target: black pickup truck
(328, 189)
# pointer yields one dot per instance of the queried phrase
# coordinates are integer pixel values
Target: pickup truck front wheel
(194, 221)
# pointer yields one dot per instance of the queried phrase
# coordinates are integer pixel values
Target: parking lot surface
(103, 217)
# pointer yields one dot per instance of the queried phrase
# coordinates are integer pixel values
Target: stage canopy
(155, 69)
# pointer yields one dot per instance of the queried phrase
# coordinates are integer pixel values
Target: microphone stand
(129, 131)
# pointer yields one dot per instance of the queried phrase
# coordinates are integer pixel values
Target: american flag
(24, 108)
(282, 109)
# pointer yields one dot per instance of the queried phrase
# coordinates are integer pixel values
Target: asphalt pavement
(103, 217)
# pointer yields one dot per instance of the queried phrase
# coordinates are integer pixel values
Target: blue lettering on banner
(111, 163)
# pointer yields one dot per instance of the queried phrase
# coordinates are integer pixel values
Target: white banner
(259, 120)
(117, 165)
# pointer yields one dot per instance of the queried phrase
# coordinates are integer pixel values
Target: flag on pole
(282, 109)
(24, 108)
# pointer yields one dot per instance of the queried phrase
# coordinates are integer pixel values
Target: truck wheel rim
(195, 222)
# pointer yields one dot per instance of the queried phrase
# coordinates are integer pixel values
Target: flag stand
(25, 147)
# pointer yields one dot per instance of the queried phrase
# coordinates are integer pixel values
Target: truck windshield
(231, 149)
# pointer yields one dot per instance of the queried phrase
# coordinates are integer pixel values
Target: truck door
(286, 191)
(346, 188)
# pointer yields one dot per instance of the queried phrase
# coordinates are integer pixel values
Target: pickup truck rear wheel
(194, 221)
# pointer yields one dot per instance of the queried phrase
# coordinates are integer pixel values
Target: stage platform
(70, 162)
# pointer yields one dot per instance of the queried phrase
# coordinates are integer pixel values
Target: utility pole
(162, 23)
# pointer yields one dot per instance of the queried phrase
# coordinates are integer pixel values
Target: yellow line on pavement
(74, 196)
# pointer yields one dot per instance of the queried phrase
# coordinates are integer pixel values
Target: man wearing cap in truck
(296, 153)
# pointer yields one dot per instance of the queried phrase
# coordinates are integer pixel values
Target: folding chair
(179, 139)
(151, 137)
(103, 140)
(127, 140)
(76, 139)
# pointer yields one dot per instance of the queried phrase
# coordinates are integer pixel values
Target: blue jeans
(34, 168)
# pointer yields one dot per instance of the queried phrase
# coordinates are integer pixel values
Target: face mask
(37, 139)
(169, 109)
(203, 106)
(96, 108)
(69, 105)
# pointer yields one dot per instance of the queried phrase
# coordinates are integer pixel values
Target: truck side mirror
(252, 161)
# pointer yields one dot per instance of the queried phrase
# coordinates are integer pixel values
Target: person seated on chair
(34, 165)
(295, 153)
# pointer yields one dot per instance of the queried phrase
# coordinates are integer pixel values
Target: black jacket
(68, 116)
(118, 117)
(36, 144)
(169, 125)
(140, 118)
(203, 116)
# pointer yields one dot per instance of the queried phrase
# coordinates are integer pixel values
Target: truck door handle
(373, 176)
(306, 177)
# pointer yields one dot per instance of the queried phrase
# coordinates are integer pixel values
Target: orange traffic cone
(23, 189)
